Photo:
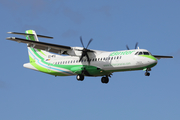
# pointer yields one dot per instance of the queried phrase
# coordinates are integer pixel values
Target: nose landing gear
(147, 73)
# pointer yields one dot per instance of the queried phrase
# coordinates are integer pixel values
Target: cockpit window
(145, 53)
(140, 53)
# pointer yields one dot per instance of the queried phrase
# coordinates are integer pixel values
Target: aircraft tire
(105, 80)
(147, 74)
(80, 77)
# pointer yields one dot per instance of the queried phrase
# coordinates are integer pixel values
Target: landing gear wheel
(80, 77)
(147, 74)
(105, 80)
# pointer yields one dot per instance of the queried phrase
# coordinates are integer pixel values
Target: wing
(59, 49)
(49, 47)
(160, 56)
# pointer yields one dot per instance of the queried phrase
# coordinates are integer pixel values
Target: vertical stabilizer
(34, 54)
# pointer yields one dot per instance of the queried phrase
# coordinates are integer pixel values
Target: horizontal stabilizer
(42, 36)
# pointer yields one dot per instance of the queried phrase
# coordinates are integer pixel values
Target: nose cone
(151, 60)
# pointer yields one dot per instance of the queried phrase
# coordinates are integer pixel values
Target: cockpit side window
(136, 53)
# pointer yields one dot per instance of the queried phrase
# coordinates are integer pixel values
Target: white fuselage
(109, 61)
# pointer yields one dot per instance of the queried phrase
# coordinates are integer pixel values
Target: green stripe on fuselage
(149, 56)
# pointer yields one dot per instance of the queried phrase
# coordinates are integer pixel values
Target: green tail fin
(34, 54)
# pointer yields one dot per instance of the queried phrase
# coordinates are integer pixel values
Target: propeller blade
(136, 45)
(85, 50)
(88, 58)
(127, 47)
(81, 41)
(83, 54)
(89, 42)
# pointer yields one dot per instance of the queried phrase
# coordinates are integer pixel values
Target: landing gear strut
(105, 79)
(80, 77)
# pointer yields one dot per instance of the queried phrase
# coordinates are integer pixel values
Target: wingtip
(10, 38)
(9, 32)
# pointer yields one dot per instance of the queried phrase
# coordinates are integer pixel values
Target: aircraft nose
(152, 60)
(149, 59)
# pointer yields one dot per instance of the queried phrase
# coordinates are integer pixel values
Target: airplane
(60, 60)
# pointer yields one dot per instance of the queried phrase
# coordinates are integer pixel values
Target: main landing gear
(147, 73)
(105, 80)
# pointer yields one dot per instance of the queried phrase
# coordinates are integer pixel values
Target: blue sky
(31, 95)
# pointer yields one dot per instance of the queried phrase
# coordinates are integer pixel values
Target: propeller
(127, 47)
(85, 50)
(135, 46)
